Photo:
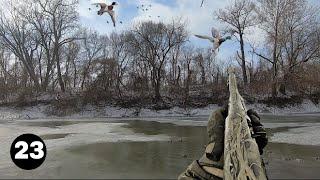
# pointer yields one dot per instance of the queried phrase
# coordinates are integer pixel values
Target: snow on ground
(306, 106)
(36, 112)
(8, 113)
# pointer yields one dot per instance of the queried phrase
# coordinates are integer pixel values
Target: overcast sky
(199, 20)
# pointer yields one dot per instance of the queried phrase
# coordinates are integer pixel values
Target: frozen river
(152, 147)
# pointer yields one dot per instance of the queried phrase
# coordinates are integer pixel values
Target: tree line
(44, 49)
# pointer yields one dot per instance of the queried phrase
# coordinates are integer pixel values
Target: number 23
(37, 147)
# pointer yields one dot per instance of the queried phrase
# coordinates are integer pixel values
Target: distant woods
(45, 50)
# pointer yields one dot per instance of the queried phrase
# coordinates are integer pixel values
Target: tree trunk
(187, 88)
(157, 90)
(118, 86)
(30, 71)
(243, 60)
(157, 85)
(274, 85)
(60, 79)
(275, 73)
(74, 74)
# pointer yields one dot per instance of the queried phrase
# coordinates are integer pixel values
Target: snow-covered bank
(40, 111)
(306, 107)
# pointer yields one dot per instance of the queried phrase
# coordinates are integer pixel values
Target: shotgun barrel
(242, 160)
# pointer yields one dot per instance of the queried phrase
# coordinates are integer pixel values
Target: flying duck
(216, 39)
(108, 9)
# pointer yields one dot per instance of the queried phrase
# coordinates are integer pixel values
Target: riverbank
(90, 111)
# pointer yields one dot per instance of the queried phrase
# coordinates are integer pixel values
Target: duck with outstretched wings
(104, 8)
(216, 39)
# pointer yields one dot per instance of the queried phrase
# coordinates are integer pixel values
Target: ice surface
(81, 133)
(308, 135)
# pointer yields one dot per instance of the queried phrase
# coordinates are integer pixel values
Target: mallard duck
(108, 9)
(216, 39)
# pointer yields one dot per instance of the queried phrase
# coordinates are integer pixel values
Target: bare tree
(17, 36)
(291, 34)
(188, 57)
(120, 53)
(201, 65)
(71, 52)
(300, 42)
(35, 31)
(153, 42)
(174, 76)
(93, 46)
(61, 18)
(271, 13)
(239, 16)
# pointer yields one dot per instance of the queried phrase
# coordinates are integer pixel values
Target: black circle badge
(28, 151)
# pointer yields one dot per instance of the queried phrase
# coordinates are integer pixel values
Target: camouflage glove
(215, 129)
(216, 126)
(212, 157)
(259, 133)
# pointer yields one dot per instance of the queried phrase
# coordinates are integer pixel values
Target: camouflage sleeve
(215, 131)
(214, 151)
(196, 172)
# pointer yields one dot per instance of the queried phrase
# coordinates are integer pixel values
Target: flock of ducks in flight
(216, 39)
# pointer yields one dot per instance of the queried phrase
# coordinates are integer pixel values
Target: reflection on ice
(81, 133)
(307, 135)
(77, 134)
